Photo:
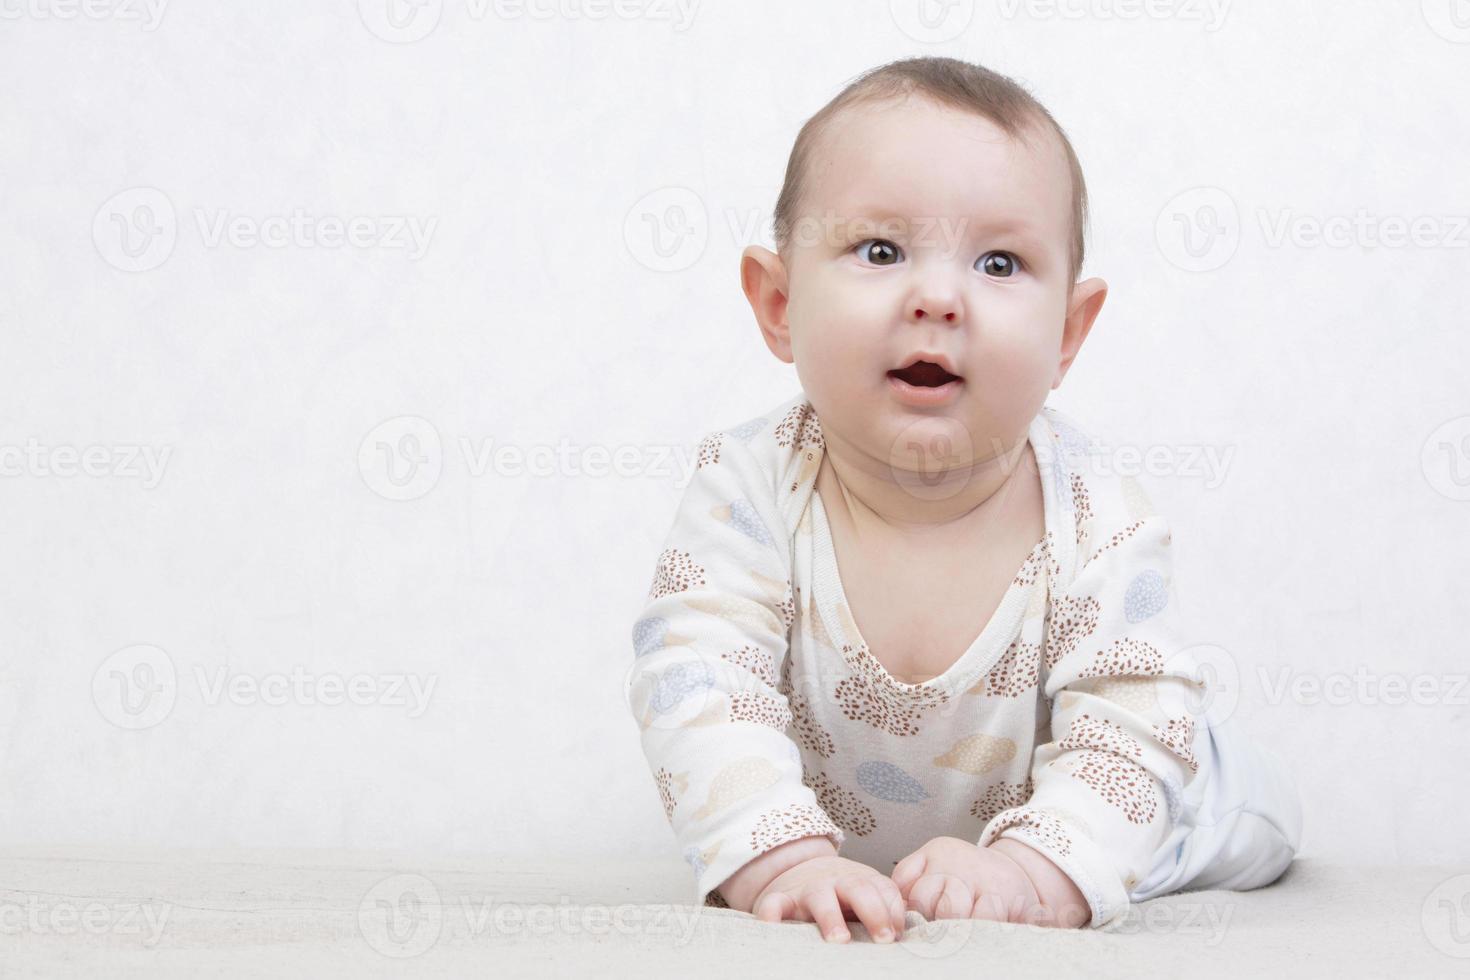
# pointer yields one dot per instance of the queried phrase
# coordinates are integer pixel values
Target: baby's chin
(907, 438)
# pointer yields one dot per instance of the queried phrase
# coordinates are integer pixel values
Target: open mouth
(924, 374)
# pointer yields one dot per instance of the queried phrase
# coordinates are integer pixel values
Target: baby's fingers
(873, 909)
(957, 901)
(775, 907)
(908, 871)
(826, 912)
(941, 896)
(1000, 906)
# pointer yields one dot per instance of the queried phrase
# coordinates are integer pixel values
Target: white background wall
(537, 312)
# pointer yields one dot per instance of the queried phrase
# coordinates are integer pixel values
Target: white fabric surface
(315, 914)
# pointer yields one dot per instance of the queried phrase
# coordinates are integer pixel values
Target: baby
(904, 648)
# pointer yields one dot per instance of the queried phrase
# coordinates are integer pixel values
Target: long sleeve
(708, 645)
(1121, 681)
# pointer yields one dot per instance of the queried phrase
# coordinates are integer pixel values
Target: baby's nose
(920, 313)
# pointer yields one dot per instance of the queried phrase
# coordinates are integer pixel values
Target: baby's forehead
(916, 156)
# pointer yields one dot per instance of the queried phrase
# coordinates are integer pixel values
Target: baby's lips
(925, 374)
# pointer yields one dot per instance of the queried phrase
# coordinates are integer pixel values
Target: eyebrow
(944, 224)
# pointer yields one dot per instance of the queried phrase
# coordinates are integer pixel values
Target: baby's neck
(874, 495)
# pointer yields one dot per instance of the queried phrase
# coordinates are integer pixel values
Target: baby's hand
(949, 878)
(822, 889)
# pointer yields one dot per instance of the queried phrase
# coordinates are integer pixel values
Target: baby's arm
(1106, 789)
(703, 687)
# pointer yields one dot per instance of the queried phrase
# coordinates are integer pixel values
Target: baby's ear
(1083, 304)
(763, 277)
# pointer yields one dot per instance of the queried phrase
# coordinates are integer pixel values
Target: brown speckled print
(709, 449)
(757, 661)
(842, 805)
(1035, 562)
(759, 708)
(1126, 657)
(669, 786)
(1014, 674)
(870, 695)
(787, 823)
(1116, 539)
(787, 606)
(1001, 796)
(1178, 735)
(1037, 824)
(1083, 505)
(675, 572)
(800, 428)
(1122, 782)
(810, 733)
(1088, 732)
(1072, 620)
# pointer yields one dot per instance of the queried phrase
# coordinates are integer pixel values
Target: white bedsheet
(151, 913)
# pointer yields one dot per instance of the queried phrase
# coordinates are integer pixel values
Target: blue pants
(1240, 823)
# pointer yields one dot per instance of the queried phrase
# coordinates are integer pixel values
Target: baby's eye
(880, 251)
(1002, 265)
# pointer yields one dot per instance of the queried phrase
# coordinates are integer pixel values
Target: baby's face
(925, 230)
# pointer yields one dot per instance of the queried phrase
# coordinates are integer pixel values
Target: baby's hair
(951, 82)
